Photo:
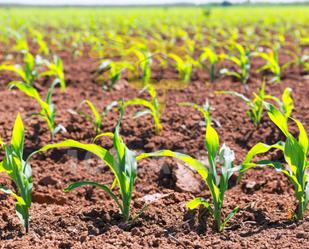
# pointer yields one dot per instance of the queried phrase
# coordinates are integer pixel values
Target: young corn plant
(48, 110)
(96, 118)
(123, 166)
(152, 107)
(212, 58)
(285, 104)
(19, 172)
(21, 43)
(242, 61)
(295, 154)
(39, 40)
(298, 59)
(144, 62)
(209, 174)
(55, 69)
(115, 70)
(272, 63)
(204, 109)
(257, 104)
(28, 72)
(183, 66)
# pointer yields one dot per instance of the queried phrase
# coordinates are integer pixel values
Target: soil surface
(88, 218)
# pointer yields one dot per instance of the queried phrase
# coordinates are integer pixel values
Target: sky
(106, 2)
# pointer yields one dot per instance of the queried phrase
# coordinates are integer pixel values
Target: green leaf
(279, 120)
(105, 134)
(204, 111)
(236, 94)
(196, 202)
(138, 101)
(27, 89)
(229, 216)
(101, 186)
(6, 190)
(18, 135)
(261, 148)
(302, 137)
(212, 145)
(118, 143)
(92, 148)
(96, 115)
(295, 157)
(193, 163)
(22, 212)
(288, 103)
(1, 143)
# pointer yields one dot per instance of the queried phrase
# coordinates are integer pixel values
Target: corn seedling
(256, 105)
(183, 66)
(298, 59)
(285, 104)
(48, 111)
(96, 118)
(204, 109)
(272, 63)
(115, 70)
(242, 61)
(55, 69)
(19, 172)
(152, 107)
(144, 62)
(123, 166)
(295, 154)
(209, 174)
(28, 72)
(39, 39)
(21, 43)
(213, 59)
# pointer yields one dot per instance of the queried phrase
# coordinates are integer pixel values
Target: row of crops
(150, 46)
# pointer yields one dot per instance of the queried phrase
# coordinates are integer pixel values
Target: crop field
(166, 127)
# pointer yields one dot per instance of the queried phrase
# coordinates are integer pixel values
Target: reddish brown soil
(87, 218)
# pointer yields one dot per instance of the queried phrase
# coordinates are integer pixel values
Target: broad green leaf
(105, 134)
(212, 145)
(196, 202)
(118, 143)
(279, 120)
(1, 167)
(18, 135)
(288, 103)
(303, 137)
(295, 157)
(261, 148)
(193, 163)
(16, 69)
(6, 190)
(279, 168)
(92, 148)
(23, 214)
(1, 142)
(28, 90)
